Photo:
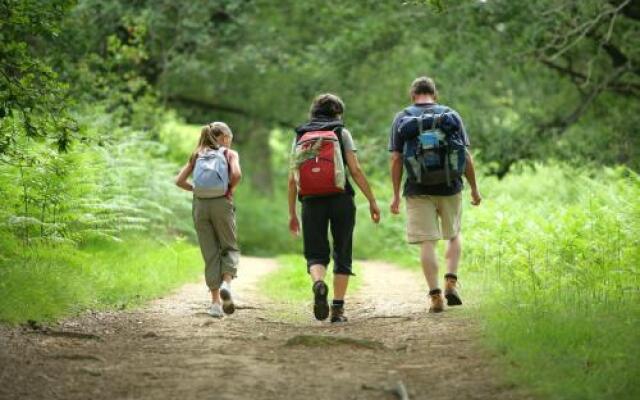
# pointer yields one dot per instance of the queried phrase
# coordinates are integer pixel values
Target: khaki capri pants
(215, 224)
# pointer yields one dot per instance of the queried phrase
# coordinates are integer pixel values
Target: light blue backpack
(211, 174)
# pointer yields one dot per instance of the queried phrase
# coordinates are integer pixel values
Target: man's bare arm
(470, 174)
(396, 180)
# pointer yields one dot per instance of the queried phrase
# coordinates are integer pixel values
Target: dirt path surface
(172, 349)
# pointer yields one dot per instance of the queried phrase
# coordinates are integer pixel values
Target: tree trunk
(257, 157)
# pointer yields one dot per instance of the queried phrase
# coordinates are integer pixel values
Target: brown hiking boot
(450, 292)
(437, 303)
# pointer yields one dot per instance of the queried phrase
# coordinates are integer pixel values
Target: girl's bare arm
(181, 179)
(235, 174)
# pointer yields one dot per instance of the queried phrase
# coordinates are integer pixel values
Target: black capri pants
(320, 213)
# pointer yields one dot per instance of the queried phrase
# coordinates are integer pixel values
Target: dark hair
(423, 85)
(326, 105)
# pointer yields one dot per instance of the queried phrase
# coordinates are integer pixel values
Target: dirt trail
(172, 349)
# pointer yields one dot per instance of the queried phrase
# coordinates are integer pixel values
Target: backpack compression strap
(226, 157)
(338, 132)
(418, 112)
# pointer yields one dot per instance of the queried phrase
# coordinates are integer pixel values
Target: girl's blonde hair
(209, 135)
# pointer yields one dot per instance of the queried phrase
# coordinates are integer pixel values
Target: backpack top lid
(210, 150)
(417, 110)
(319, 124)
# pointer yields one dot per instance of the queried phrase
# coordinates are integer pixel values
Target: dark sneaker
(437, 303)
(450, 292)
(227, 298)
(320, 304)
(337, 314)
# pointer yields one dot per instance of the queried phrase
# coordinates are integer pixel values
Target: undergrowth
(47, 282)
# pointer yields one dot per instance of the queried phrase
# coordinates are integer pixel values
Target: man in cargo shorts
(433, 212)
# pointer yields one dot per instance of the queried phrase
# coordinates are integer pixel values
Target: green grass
(564, 351)
(554, 256)
(291, 283)
(47, 282)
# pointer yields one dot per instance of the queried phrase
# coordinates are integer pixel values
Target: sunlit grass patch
(554, 258)
(291, 283)
(47, 282)
(565, 351)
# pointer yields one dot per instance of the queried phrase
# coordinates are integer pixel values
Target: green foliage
(112, 180)
(180, 140)
(104, 191)
(263, 223)
(557, 86)
(571, 63)
(32, 99)
(556, 256)
(47, 282)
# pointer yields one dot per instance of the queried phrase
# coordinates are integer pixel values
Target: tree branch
(559, 124)
(208, 105)
(625, 88)
(630, 10)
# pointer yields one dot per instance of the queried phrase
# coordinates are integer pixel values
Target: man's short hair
(423, 85)
(326, 105)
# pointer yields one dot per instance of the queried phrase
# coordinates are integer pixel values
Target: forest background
(101, 102)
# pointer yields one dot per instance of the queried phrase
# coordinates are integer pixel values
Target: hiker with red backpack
(323, 156)
(429, 141)
(216, 174)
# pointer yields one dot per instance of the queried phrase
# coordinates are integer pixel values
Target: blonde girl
(214, 215)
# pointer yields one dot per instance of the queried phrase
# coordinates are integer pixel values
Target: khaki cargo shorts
(433, 217)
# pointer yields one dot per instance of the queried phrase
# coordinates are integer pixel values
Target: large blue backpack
(211, 173)
(434, 150)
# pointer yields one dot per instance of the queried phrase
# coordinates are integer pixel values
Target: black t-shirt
(396, 143)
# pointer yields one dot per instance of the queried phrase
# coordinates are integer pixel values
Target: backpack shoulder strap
(338, 132)
(417, 112)
(413, 111)
(442, 109)
(348, 186)
(193, 158)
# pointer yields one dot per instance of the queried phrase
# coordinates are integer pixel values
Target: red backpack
(319, 165)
